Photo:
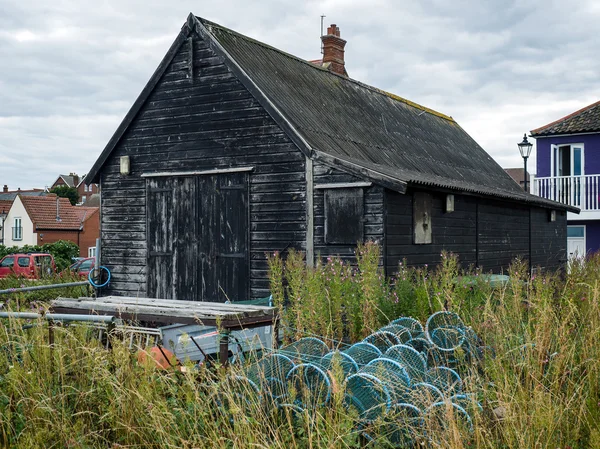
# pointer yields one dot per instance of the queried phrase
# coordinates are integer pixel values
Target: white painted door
(576, 247)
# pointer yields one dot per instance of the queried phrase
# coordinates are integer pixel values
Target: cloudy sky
(70, 70)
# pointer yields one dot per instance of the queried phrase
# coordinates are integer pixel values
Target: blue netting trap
(445, 330)
(392, 374)
(468, 402)
(411, 359)
(311, 385)
(401, 332)
(347, 364)
(401, 426)
(396, 378)
(307, 349)
(445, 379)
(362, 353)
(423, 394)
(368, 395)
(412, 324)
(442, 414)
(382, 340)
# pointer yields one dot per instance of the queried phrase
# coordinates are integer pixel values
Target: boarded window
(422, 218)
(344, 216)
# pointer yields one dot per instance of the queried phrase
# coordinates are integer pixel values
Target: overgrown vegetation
(62, 250)
(539, 385)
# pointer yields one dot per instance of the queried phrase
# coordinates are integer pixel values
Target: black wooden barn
(235, 148)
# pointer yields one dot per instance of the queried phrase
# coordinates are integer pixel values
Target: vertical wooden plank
(208, 236)
(310, 214)
(190, 74)
(160, 235)
(232, 257)
(185, 251)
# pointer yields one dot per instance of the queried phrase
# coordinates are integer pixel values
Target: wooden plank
(172, 311)
(342, 185)
(310, 214)
(183, 304)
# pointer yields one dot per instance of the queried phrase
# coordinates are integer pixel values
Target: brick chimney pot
(333, 50)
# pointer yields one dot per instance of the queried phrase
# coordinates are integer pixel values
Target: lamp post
(525, 150)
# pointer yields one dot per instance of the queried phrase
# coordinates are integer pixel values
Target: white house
(18, 226)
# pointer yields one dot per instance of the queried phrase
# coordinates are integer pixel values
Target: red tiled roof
(5, 205)
(586, 119)
(84, 213)
(42, 211)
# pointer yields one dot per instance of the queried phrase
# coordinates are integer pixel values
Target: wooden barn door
(198, 244)
(160, 229)
(223, 237)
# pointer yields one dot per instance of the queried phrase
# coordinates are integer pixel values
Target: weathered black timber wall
(548, 239)
(373, 213)
(201, 120)
(453, 232)
(485, 233)
(503, 234)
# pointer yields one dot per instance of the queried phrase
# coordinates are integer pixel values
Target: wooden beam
(215, 171)
(343, 185)
(310, 214)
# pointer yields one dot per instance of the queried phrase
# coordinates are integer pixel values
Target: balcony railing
(579, 191)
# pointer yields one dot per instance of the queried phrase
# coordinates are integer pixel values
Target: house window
(344, 216)
(92, 251)
(17, 230)
(568, 160)
(83, 198)
(575, 232)
(85, 188)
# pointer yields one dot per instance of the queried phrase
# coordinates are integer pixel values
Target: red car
(31, 265)
(83, 267)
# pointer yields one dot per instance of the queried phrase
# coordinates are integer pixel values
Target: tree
(66, 192)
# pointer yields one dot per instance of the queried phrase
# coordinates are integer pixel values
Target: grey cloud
(71, 70)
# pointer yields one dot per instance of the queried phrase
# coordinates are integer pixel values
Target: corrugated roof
(582, 121)
(355, 122)
(43, 212)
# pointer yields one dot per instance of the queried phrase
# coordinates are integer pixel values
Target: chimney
(333, 50)
(5, 188)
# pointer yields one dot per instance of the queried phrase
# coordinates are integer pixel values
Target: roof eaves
(361, 171)
(93, 174)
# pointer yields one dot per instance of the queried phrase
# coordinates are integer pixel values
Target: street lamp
(525, 150)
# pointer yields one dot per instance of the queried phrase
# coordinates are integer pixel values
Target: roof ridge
(209, 24)
(566, 117)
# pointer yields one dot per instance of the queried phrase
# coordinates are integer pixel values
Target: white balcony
(579, 191)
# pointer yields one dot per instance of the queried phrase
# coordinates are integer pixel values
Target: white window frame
(92, 251)
(19, 221)
(553, 162)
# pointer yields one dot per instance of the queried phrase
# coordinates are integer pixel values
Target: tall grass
(539, 382)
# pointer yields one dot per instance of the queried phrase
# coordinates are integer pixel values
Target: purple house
(568, 171)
